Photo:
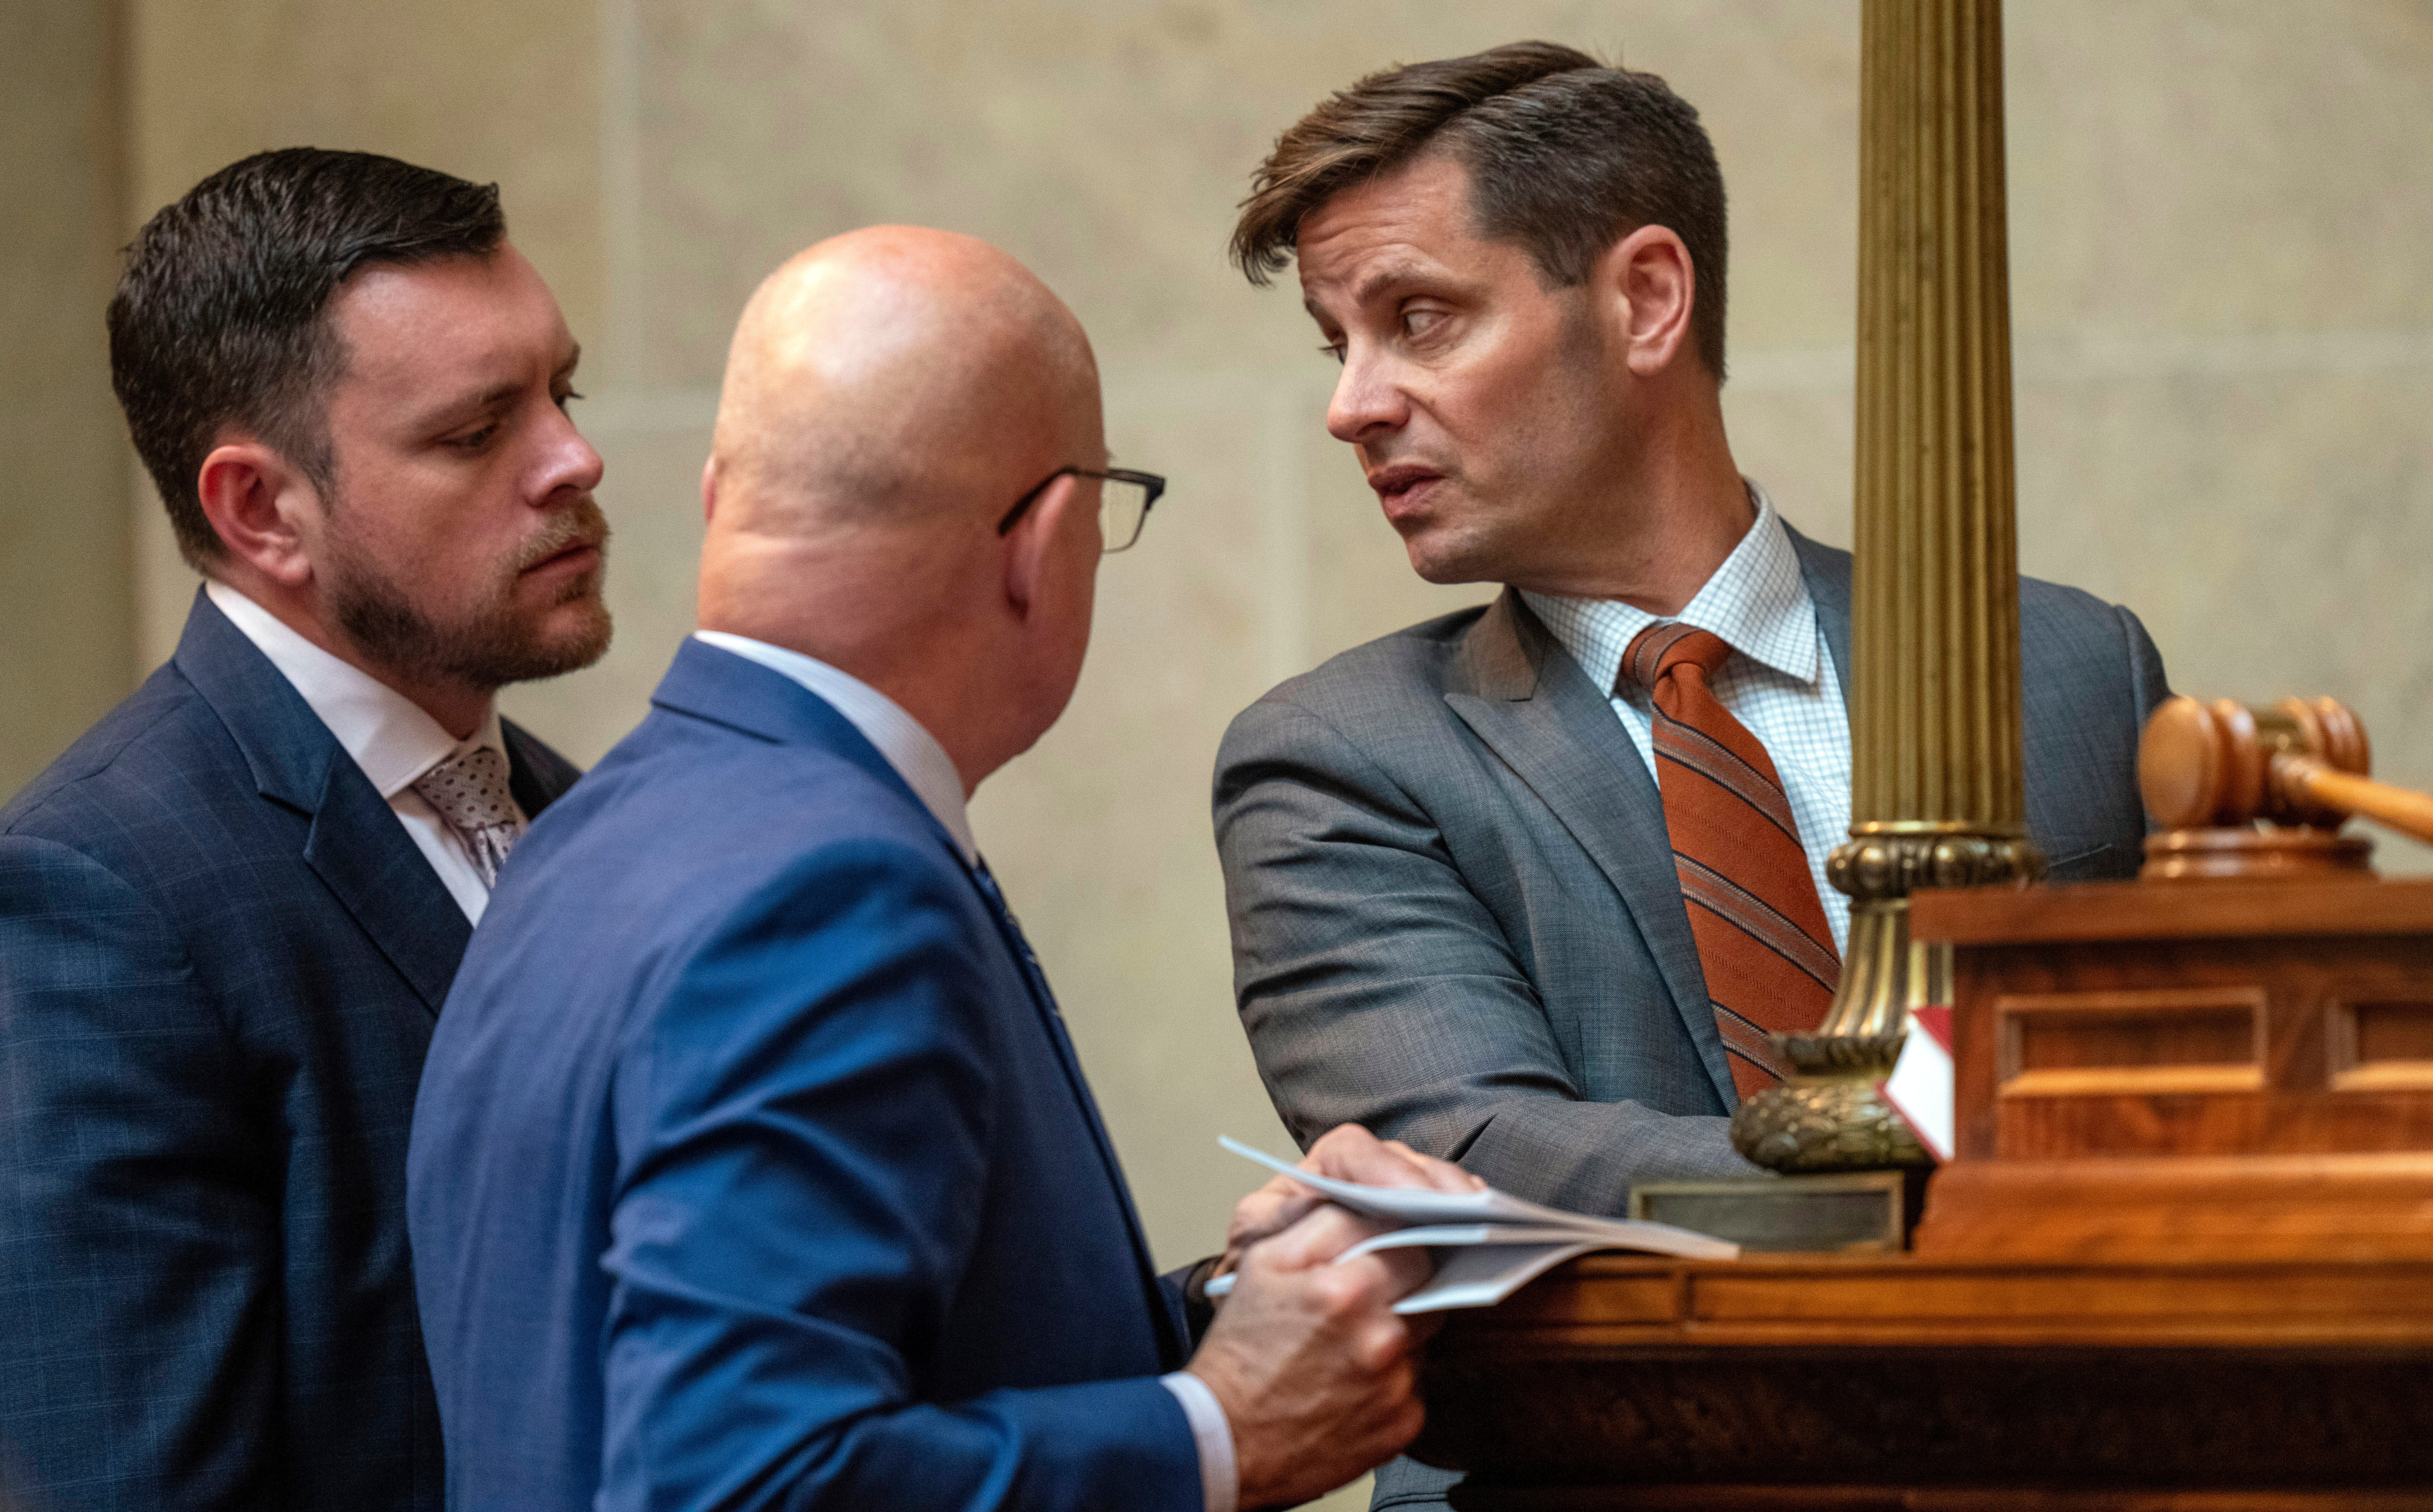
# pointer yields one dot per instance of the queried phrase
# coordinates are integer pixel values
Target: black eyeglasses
(1123, 500)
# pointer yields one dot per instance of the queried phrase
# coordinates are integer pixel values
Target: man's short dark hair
(1566, 156)
(219, 322)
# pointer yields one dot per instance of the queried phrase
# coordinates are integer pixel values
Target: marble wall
(67, 629)
(2223, 254)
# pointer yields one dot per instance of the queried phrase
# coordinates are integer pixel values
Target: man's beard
(490, 646)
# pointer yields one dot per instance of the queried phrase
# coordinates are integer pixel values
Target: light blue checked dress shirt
(1781, 681)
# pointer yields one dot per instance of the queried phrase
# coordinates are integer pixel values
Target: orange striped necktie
(1762, 940)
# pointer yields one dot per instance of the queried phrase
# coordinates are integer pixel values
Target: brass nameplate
(1864, 1213)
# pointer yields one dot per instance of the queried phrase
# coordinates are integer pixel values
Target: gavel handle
(2411, 813)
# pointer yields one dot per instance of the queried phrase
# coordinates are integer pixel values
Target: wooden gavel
(2300, 762)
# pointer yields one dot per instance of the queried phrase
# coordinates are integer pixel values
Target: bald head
(889, 397)
(896, 374)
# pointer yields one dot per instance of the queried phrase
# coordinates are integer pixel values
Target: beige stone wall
(2223, 236)
(67, 646)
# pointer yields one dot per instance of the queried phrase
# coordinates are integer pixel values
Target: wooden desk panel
(1864, 1382)
(2221, 1071)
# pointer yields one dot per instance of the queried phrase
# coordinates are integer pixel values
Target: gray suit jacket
(1455, 918)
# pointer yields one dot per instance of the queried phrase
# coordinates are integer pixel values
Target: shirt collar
(1756, 602)
(387, 733)
(911, 750)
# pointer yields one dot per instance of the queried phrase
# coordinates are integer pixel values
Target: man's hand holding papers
(1489, 1244)
(1315, 1374)
(1345, 1153)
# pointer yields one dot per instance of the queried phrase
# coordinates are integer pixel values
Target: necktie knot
(470, 793)
(1658, 650)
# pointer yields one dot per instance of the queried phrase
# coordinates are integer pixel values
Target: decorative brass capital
(1830, 1057)
(1880, 862)
(1830, 1117)
(1808, 1127)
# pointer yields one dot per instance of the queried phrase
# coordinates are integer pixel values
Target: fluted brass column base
(1808, 1127)
(1828, 1116)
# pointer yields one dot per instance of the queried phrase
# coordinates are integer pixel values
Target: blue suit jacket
(220, 960)
(753, 1167)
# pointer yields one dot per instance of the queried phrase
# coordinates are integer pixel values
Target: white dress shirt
(1779, 681)
(926, 768)
(389, 735)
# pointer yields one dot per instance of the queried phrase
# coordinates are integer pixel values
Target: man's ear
(1650, 285)
(1029, 546)
(709, 489)
(257, 502)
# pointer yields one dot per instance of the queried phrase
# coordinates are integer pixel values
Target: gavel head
(2212, 765)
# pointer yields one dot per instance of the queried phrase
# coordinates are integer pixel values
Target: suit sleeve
(138, 1245)
(803, 1137)
(1377, 989)
(2148, 686)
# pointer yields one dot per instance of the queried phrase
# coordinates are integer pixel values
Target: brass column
(1936, 793)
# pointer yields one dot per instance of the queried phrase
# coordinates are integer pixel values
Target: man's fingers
(1317, 1237)
(1271, 1209)
(1351, 1153)
(1381, 1343)
(1442, 1175)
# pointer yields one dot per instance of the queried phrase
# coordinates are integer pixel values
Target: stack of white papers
(1487, 1244)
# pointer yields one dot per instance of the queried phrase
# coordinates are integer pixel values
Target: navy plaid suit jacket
(221, 959)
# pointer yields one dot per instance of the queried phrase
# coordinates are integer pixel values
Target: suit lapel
(1052, 1020)
(535, 775)
(356, 846)
(1827, 572)
(364, 856)
(1536, 710)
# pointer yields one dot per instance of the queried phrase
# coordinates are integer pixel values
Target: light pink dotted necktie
(469, 794)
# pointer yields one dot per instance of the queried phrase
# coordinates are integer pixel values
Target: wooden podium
(2183, 1259)
(2232, 1071)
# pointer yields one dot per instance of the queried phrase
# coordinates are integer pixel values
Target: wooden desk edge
(1603, 1303)
(2136, 910)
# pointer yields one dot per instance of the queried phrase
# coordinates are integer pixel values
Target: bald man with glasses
(753, 1165)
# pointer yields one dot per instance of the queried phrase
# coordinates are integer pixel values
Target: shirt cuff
(1220, 1485)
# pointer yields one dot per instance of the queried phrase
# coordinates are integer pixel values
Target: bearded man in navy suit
(753, 1165)
(229, 913)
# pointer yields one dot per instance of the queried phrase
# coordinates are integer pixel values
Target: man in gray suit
(1458, 915)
